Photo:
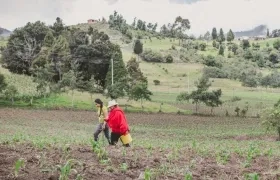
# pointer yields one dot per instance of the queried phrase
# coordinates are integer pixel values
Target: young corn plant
(148, 174)
(18, 164)
(252, 176)
(100, 152)
(253, 151)
(66, 169)
(124, 167)
(223, 156)
(188, 176)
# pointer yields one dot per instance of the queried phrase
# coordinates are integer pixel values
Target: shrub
(169, 59)
(156, 82)
(151, 56)
(212, 61)
(129, 34)
(276, 44)
(202, 46)
(173, 47)
(248, 54)
(214, 44)
(214, 72)
(273, 57)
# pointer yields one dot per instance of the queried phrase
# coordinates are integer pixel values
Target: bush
(248, 54)
(156, 82)
(214, 44)
(273, 57)
(234, 48)
(173, 47)
(212, 61)
(230, 55)
(129, 34)
(202, 46)
(214, 72)
(276, 44)
(221, 50)
(151, 56)
(169, 59)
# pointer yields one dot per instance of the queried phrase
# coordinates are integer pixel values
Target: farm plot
(37, 144)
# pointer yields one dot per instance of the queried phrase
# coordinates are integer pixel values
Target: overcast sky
(203, 14)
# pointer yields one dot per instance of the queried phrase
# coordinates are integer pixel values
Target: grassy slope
(173, 82)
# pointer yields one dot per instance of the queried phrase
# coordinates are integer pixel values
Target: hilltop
(260, 30)
(4, 32)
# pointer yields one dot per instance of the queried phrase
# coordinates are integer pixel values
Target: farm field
(165, 146)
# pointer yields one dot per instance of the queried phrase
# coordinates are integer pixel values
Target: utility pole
(188, 82)
(112, 64)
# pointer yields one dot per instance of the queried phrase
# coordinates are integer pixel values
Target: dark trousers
(115, 138)
(99, 129)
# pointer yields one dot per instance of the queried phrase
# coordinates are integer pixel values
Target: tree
(221, 37)
(134, 22)
(139, 24)
(273, 57)
(181, 26)
(214, 44)
(234, 48)
(230, 36)
(140, 92)
(221, 50)
(245, 44)
(2, 82)
(23, 46)
(272, 119)
(276, 44)
(150, 26)
(43, 76)
(72, 79)
(207, 36)
(11, 92)
(267, 33)
(214, 34)
(154, 27)
(120, 84)
(143, 28)
(58, 27)
(213, 99)
(138, 47)
(134, 72)
(201, 95)
(60, 57)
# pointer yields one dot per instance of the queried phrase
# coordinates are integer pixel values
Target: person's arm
(105, 113)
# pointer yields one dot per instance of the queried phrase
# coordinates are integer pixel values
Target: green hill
(174, 78)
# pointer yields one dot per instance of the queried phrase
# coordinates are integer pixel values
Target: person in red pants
(117, 122)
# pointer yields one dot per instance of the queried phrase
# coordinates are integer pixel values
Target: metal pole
(112, 63)
(188, 82)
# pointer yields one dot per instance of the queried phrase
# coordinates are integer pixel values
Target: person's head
(112, 104)
(98, 103)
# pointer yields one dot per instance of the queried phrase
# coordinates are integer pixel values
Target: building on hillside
(90, 21)
(260, 37)
(243, 38)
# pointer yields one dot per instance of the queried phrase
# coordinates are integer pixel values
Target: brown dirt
(41, 164)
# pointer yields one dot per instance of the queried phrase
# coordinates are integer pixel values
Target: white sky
(203, 15)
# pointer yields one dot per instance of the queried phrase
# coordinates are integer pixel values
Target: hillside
(4, 32)
(179, 76)
(257, 31)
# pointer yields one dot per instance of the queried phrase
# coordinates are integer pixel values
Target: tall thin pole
(112, 64)
(188, 82)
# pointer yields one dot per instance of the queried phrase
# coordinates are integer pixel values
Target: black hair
(98, 101)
